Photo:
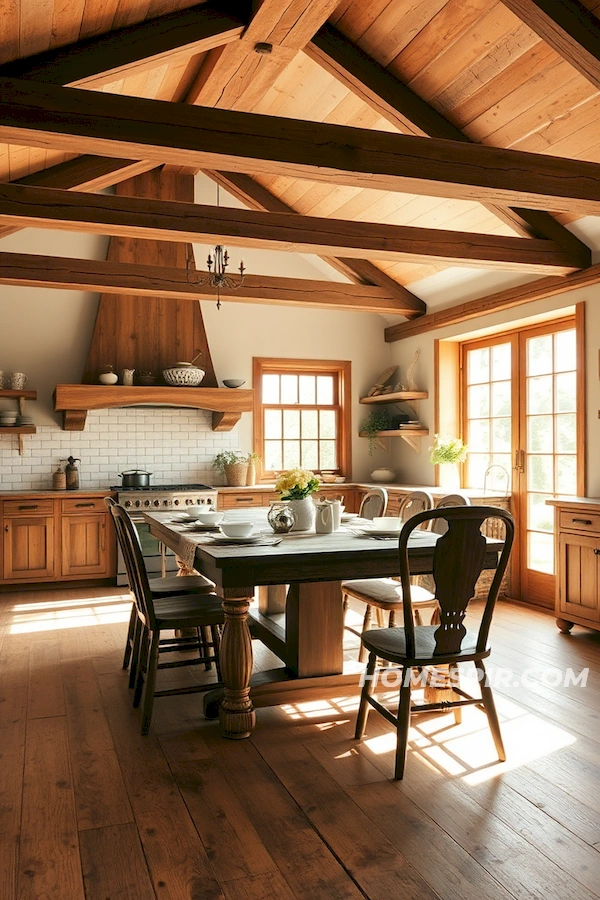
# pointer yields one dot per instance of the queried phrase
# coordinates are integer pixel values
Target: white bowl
(195, 510)
(210, 517)
(237, 529)
(183, 375)
(387, 523)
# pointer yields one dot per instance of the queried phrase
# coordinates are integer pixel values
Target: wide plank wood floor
(90, 809)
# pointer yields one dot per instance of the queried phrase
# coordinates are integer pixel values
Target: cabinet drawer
(82, 505)
(573, 520)
(245, 498)
(28, 507)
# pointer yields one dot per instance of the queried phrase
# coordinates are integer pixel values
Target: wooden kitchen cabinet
(29, 546)
(53, 539)
(577, 542)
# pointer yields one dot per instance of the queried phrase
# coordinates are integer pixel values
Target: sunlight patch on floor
(29, 618)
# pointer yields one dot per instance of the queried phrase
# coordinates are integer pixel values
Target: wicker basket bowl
(183, 375)
(236, 474)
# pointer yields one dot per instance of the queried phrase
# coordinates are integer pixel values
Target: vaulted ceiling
(395, 138)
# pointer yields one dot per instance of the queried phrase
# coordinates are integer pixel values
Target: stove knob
(127, 503)
(166, 502)
(147, 503)
(189, 502)
(138, 502)
(176, 502)
(157, 502)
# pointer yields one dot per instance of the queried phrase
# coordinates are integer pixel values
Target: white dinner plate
(251, 539)
(184, 520)
(200, 526)
(347, 517)
(379, 532)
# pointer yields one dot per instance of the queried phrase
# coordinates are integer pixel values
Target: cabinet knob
(6, 528)
(596, 551)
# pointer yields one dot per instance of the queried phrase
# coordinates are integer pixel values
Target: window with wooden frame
(302, 415)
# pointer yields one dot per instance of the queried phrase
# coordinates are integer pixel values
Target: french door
(521, 423)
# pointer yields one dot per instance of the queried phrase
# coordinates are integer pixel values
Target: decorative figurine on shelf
(127, 377)
(410, 384)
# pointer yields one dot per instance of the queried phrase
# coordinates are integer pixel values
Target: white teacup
(387, 523)
(18, 380)
(195, 510)
(237, 529)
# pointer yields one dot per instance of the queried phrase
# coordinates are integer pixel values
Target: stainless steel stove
(159, 559)
(166, 496)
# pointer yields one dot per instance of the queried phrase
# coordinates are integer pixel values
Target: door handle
(83, 504)
(519, 465)
(31, 506)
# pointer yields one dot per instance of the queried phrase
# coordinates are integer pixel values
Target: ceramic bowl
(233, 382)
(237, 529)
(210, 517)
(387, 523)
(183, 375)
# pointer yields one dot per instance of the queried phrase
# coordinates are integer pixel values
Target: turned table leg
(236, 713)
(564, 626)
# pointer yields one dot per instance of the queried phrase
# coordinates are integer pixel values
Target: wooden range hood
(149, 333)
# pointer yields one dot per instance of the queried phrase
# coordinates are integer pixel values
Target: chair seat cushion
(181, 584)
(386, 593)
(188, 611)
(390, 644)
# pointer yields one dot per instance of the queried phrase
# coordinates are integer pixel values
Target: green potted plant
(377, 420)
(233, 464)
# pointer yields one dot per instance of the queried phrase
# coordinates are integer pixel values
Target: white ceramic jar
(385, 476)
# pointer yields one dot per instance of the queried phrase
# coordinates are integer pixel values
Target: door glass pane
(479, 435)
(539, 355)
(566, 433)
(501, 438)
(539, 395)
(541, 473)
(565, 351)
(500, 361)
(501, 398)
(540, 552)
(478, 366)
(566, 475)
(541, 516)
(479, 400)
(566, 389)
(540, 434)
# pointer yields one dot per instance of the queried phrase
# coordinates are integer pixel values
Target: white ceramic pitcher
(324, 518)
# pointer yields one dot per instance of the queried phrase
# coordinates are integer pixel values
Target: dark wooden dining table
(299, 615)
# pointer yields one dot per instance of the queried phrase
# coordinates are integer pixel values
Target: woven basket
(236, 474)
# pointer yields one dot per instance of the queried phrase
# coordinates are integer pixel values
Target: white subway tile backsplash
(176, 445)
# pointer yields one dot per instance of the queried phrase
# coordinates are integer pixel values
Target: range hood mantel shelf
(74, 401)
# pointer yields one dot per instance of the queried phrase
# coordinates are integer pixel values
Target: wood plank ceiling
(522, 75)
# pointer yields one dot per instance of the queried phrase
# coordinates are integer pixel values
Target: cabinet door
(28, 547)
(578, 573)
(84, 546)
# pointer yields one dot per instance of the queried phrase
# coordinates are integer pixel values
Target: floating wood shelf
(395, 397)
(407, 434)
(20, 396)
(74, 401)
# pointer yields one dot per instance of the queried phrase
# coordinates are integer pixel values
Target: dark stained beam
(135, 48)
(79, 121)
(566, 26)
(253, 195)
(474, 309)
(163, 281)
(169, 220)
(398, 104)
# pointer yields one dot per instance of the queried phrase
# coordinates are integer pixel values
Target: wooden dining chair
(154, 616)
(160, 587)
(385, 594)
(458, 560)
(374, 503)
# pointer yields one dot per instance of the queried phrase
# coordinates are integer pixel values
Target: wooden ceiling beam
(398, 104)
(163, 281)
(253, 195)
(170, 220)
(238, 76)
(132, 49)
(568, 27)
(474, 309)
(74, 120)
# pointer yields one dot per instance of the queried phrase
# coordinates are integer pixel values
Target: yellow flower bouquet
(296, 484)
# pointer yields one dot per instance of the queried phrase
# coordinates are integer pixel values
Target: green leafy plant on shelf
(377, 420)
(228, 458)
(447, 450)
